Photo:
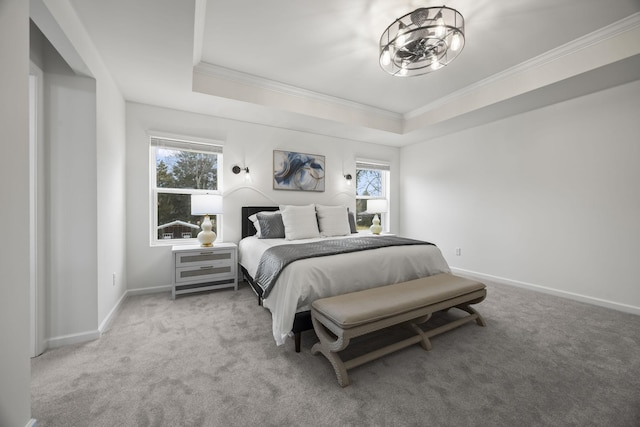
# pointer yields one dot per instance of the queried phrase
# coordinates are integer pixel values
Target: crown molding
(626, 24)
(198, 30)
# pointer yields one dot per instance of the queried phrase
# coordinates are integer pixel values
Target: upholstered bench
(339, 318)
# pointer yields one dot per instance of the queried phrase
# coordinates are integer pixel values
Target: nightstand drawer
(204, 257)
(205, 273)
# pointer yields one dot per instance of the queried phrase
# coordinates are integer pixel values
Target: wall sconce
(348, 178)
(237, 169)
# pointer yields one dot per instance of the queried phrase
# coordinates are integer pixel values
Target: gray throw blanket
(275, 259)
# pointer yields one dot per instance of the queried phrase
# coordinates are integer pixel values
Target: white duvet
(304, 281)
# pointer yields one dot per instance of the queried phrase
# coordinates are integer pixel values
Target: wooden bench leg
(466, 307)
(329, 347)
(413, 325)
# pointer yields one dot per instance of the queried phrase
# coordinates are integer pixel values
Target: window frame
(385, 168)
(181, 143)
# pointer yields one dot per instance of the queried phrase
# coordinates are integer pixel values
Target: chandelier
(422, 41)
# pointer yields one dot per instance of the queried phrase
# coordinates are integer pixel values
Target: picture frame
(296, 171)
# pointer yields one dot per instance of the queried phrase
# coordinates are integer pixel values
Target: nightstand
(198, 269)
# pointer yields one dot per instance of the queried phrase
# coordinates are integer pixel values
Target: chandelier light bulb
(386, 57)
(440, 30)
(403, 71)
(455, 42)
(435, 64)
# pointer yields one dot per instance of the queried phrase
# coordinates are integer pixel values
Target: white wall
(70, 140)
(248, 145)
(549, 198)
(111, 191)
(15, 373)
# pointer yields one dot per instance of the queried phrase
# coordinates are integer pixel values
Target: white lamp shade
(376, 206)
(206, 204)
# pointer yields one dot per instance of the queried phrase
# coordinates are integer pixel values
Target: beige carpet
(209, 360)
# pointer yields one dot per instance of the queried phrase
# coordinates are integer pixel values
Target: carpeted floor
(210, 360)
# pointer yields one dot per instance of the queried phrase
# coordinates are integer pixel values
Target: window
(179, 168)
(372, 182)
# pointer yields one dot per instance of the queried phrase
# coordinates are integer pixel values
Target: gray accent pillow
(352, 222)
(271, 226)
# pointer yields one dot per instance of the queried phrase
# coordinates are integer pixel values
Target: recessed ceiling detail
(560, 64)
(311, 66)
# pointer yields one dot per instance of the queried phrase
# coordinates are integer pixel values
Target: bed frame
(302, 321)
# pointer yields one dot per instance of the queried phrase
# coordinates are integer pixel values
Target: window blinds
(199, 146)
(372, 164)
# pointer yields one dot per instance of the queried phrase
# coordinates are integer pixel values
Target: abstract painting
(298, 171)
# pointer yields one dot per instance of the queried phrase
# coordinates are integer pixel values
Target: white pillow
(333, 220)
(256, 224)
(299, 222)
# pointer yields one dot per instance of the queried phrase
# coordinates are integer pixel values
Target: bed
(305, 280)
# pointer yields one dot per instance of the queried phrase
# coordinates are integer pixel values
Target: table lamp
(206, 204)
(376, 206)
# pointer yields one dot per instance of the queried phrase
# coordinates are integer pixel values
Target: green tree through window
(196, 170)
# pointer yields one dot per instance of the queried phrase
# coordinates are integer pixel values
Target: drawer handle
(206, 253)
(207, 267)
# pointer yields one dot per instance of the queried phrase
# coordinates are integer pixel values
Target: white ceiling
(313, 65)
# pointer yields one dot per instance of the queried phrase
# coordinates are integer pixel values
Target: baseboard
(109, 317)
(144, 291)
(63, 340)
(570, 295)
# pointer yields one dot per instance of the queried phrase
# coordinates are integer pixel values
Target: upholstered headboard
(247, 226)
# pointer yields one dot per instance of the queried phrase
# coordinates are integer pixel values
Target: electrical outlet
(114, 279)
(458, 251)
